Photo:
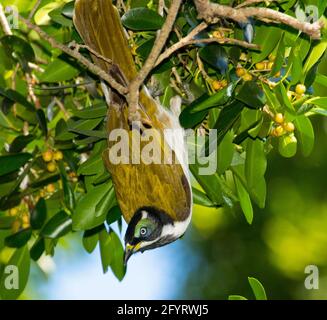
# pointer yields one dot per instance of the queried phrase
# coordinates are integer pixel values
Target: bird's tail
(99, 25)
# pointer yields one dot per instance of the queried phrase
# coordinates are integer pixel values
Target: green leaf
(19, 239)
(255, 168)
(305, 133)
(201, 198)
(19, 49)
(142, 19)
(227, 118)
(57, 16)
(91, 166)
(59, 70)
(267, 37)
(113, 215)
(69, 198)
(106, 256)
(6, 222)
(37, 249)
(17, 97)
(236, 297)
(218, 99)
(91, 238)
(39, 214)
(225, 152)
(117, 251)
(106, 203)
(245, 200)
(20, 260)
(251, 95)
(257, 288)
(216, 56)
(13, 162)
(59, 225)
(85, 217)
(320, 102)
(287, 146)
(93, 112)
(42, 121)
(280, 54)
(321, 79)
(20, 143)
(315, 55)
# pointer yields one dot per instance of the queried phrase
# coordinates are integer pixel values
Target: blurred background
(220, 250)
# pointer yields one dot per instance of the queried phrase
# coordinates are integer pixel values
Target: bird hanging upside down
(155, 199)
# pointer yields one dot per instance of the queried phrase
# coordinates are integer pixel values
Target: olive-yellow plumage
(159, 193)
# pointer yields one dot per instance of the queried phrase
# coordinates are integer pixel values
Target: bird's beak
(129, 250)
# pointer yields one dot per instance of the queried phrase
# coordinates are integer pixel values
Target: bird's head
(151, 228)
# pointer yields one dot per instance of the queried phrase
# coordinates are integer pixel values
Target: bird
(155, 199)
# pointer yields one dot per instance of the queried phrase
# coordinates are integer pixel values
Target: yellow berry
(279, 131)
(289, 127)
(216, 85)
(50, 188)
(52, 167)
(47, 156)
(278, 74)
(272, 57)
(247, 77)
(25, 219)
(270, 65)
(240, 72)
(26, 225)
(218, 34)
(243, 56)
(58, 156)
(224, 83)
(260, 66)
(15, 226)
(279, 118)
(13, 212)
(300, 89)
(290, 95)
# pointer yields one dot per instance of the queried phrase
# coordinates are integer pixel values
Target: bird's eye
(143, 231)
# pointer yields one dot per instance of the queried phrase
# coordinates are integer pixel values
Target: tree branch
(76, 55)
(189, 40)
(153, 56)
(210, 11)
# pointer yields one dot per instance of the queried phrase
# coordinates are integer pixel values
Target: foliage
(52, 118)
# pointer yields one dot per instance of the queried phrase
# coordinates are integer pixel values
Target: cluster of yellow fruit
(281, 127)
(50, 157)
(22, 220)
(219, 34)
(244, 74)
(300, 90)
(218, 85)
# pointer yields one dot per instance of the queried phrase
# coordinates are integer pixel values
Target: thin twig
(181, 43)
(33, 11)
(153, 56)
(251, 2)
(4, 22)
(76, 55)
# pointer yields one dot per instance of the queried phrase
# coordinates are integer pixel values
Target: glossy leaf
(216, 56)
(114, 215)
(13, 162)
(255, 168)
(142, 19)
(305, 133)
(258, 289)
(201, 198)
(58, 226)
(245, 200)
(39, 214)
(85, 217)
(19, 239)
(59, 70)
(315, 55)
(20, 142)
(21, 262)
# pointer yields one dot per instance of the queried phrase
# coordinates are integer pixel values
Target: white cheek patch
(144, 214)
